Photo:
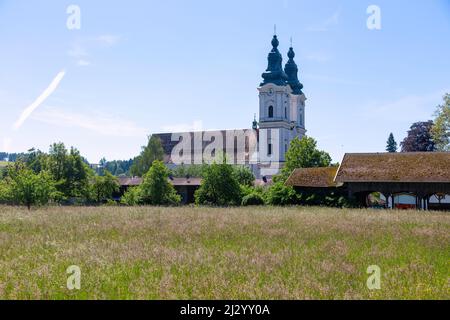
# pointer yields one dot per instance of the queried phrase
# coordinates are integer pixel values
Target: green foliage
(132, 197)
(391, 144)
(253, 199)
(118, 168)
(156, 189)
(244, 175)
(152, 152)
(5, 192)
(327, 199)
(281, 195)
(219, 186)
(303, 154)
(441, 128)
(25, 187)
(194, 170)
(105, 186)
(71, 173)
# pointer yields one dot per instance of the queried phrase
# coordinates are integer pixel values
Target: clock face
(270, 91)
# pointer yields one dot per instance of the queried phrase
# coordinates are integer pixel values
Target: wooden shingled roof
(313, 177)
(425, 167)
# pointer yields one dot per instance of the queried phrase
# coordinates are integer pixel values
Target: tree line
(427, 136)
(60, 176)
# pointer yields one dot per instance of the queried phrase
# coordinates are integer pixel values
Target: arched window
(271, 112)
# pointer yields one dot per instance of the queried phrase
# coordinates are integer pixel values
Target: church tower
(297, 97)
(281, 106)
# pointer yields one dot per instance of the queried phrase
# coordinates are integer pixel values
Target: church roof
(274, 72)
(291, 71)
(420, 167)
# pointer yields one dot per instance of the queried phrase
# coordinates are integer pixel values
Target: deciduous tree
(441, 128)
(156, 189)
(220, 186)
(419, 138)
(304, 154)
(152, 152)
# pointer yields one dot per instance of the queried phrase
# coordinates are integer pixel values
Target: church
(262, 147)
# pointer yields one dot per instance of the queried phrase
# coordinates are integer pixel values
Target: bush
(253, 199)
(281, 195)
(244, 175)
(104, 187)
(24, 187)
(156, 189)
(219, 186)
(132, 197)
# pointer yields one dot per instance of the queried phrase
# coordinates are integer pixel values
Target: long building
(416, 180)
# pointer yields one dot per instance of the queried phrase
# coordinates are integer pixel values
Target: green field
(204, 253)
(3, 164)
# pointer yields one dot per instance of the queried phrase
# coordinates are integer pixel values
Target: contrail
(28, 111)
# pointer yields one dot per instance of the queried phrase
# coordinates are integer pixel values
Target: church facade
(262, 147)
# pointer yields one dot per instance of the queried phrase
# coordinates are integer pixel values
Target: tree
(105, 186)
(132, 197)
(70, 171)
(28, 188)
(441, 128)
(304, 154)
(281, 195)
(156, 189)
(391, 144)
(219, 186)
(244, 175)
(419, 138)
(153, 151)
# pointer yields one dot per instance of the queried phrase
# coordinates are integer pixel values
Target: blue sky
(141, 67)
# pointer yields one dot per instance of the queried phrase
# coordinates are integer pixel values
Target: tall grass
(206, 253)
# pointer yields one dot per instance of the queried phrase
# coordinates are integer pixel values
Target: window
(285, 112)
(270, 112)
(269, 149)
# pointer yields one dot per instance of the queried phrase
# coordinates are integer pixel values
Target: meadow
(211, 253)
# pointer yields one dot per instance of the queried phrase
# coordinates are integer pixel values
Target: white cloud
(197, 125)
(103, 124)
(108, 39)
(325, 25)
(47, 92)
(83, 63)
(79, 49)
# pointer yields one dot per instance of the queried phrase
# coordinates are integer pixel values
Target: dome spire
(291, 71)
(275, 73)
